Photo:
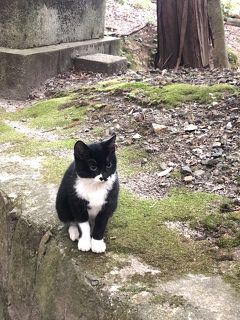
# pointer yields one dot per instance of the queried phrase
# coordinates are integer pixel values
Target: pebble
(217, 152)
(188, 179)
(199, 173)
(118, 127)
(210, 162)
(216, 144)
(165, 172)
(190, 128)
(163, 166)
(229, 126)
(186, 170)
(137, 136)
(158, 127)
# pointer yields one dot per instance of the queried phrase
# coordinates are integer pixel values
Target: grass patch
(53, 169)
(48, 114)
(138, 228)
(172, 300)
(130, 161)
(171, 95)
(8, 134)
(98, 131)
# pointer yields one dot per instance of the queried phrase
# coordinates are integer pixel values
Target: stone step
(102, 63)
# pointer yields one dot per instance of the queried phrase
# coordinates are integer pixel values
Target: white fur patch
(94, 191)
(98, 246)
(73, 232)
(84, 243)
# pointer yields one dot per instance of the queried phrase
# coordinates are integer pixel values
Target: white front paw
(98, 246)
(84, 244)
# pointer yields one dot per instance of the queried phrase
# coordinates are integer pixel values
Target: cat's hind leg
(73, 232)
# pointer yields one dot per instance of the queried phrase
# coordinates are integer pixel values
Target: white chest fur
(95, 192)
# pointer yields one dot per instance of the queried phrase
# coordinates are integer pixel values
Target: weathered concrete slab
(44, 276)
(28, 24)
(22, 71)
(102, 63)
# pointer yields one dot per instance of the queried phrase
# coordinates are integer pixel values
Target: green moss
(98, 131)
(233, 276)
(130, 161)
(232, 57)
(47, 114)
(53, 169)
(138, 227)
(7, 134)
(26, 147)
(172, 300)
(230, 242)
(171, 95)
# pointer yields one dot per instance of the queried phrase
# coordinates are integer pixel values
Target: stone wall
(35, 23)
(41, 280)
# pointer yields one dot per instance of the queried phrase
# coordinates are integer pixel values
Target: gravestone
(40, 38)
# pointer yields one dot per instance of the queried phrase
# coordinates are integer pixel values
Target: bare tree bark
(220, 58)
(183, 34)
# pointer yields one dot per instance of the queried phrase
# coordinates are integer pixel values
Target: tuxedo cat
(88, 194)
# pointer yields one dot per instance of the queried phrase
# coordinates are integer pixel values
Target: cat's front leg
(98, 244)
(84, 243)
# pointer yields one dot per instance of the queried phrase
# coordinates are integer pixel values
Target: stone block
(22, 71)
(102, 63)
(28, 24)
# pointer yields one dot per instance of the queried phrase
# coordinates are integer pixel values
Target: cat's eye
(93, 167)
(109, 165)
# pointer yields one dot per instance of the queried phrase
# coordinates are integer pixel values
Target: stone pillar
(36, 23)
(40, 38)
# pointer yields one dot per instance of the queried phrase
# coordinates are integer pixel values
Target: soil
(211, 151)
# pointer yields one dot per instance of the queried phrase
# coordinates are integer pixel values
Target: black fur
(71, 208)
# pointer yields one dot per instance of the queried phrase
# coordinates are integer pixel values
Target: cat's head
(97, 160)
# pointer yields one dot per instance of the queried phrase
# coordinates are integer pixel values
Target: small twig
(135, 30)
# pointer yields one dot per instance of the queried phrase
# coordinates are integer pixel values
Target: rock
(210, 162)
(163, 165)
(144, 161)
(229, 126)
(199, 173)
(158, 128)
(188, 179)
(110, 131)
(214, 103)
(137, 136)
(117, 126)
(197, 152)
(216, 144)
(186, 170)
(138, 116)
(165, 172)
(217, 152)
(190, 128)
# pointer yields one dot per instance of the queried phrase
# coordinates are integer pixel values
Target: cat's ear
(81, 150)
(110, 143)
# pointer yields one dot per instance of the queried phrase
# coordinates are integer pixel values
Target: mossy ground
(171, 95)
(138, 225)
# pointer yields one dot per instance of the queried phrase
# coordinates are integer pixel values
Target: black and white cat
(88, 193)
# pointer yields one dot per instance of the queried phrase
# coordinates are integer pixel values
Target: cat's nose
(103, 178)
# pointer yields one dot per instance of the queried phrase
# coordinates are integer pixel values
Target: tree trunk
(220, 59)
(183, 34)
